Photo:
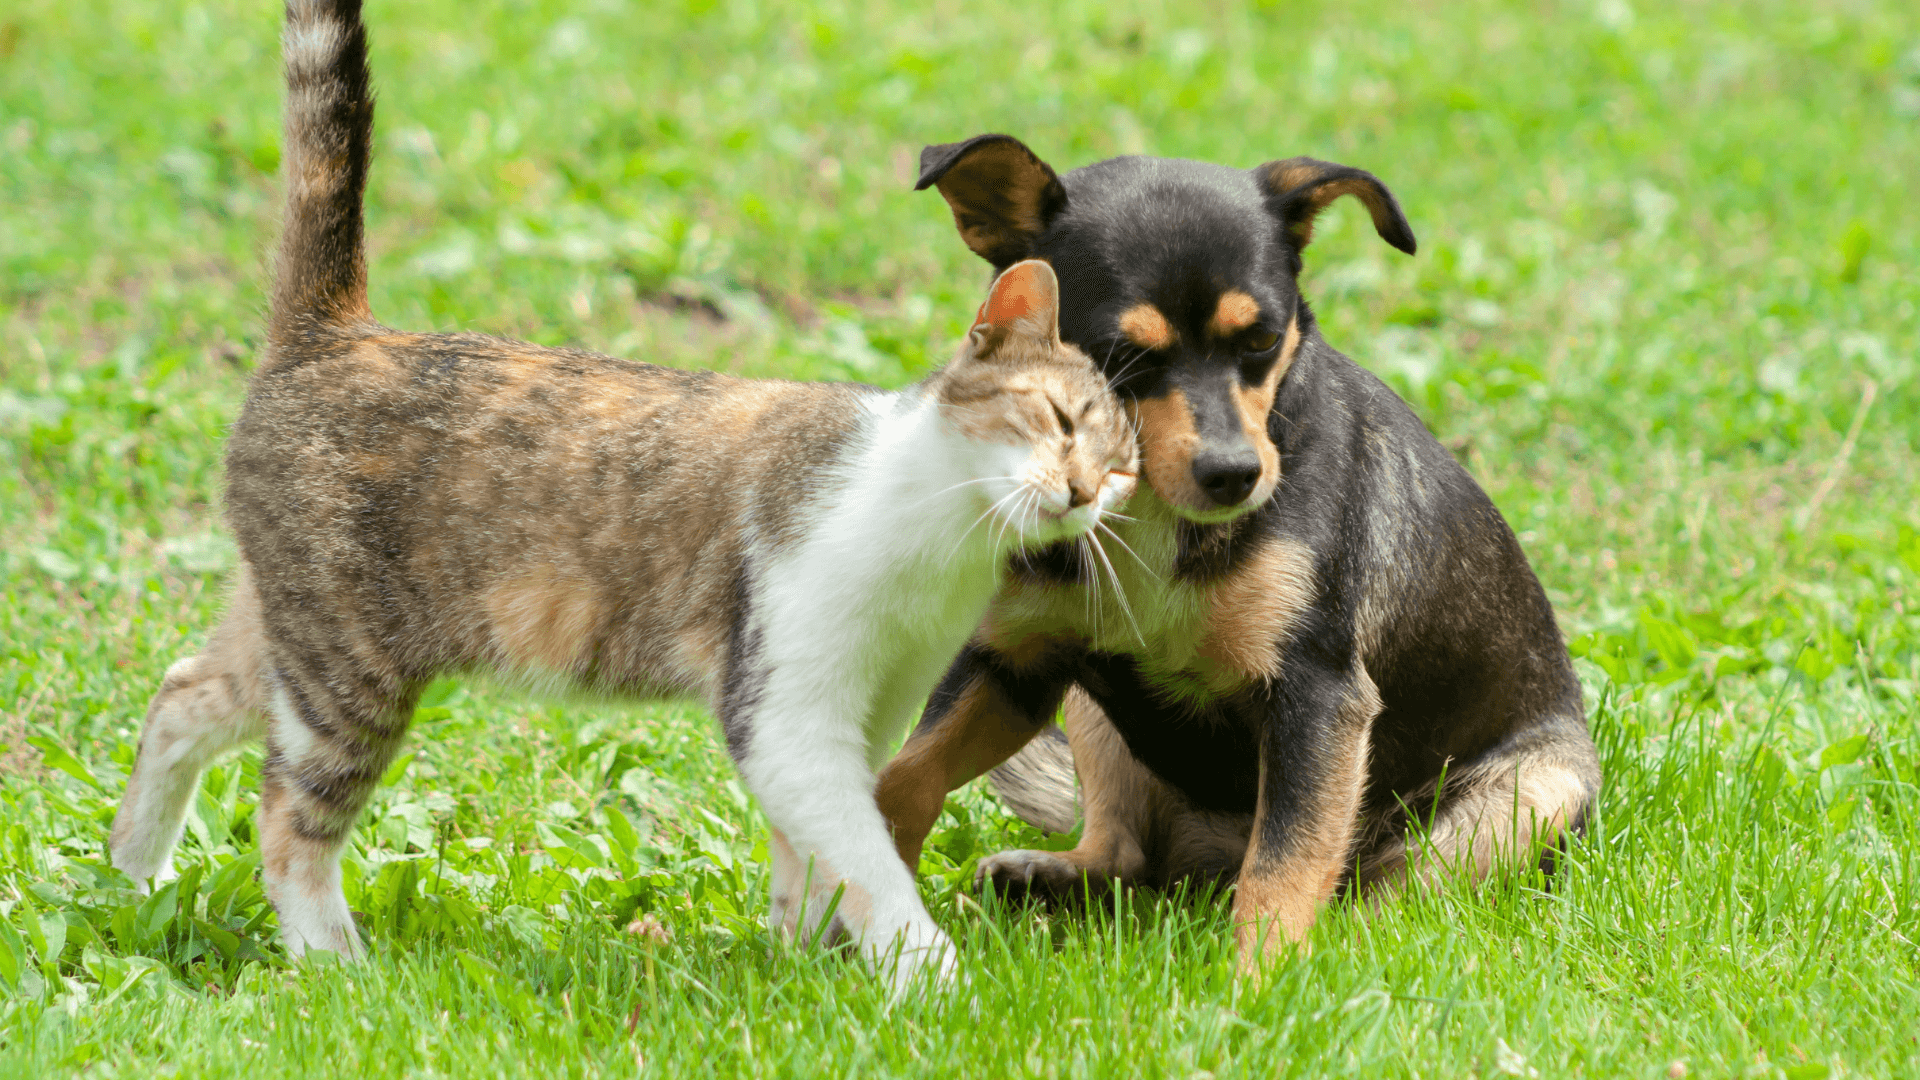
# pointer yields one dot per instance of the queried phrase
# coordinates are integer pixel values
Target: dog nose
(1226, 478)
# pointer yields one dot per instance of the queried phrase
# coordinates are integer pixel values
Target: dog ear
(1024, 304)
(1297, 189)
(1002, 195)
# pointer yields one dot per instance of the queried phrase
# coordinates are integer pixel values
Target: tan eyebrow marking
(1234, 313)
(1146, 327)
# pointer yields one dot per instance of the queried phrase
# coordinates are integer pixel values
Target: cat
(808, 558)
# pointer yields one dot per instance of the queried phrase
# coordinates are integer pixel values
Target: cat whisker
(1119, 594)
(1007, 520)
(1126, 366)
(1101, 525)
(961, 484)
(1029, 508)
(984, 515)
(1091, 576)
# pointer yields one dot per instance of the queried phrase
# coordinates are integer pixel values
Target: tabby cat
(806, 557)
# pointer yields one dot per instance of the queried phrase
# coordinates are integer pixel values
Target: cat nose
(1077, 496)
(1226, 478)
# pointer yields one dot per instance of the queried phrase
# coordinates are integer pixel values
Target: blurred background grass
(1663, 309)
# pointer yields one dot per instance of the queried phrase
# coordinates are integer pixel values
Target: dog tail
(1037, 783)
(320, 280)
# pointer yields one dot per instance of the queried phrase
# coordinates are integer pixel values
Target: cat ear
(1023, 305)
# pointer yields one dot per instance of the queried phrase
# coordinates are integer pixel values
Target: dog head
(1179, 278)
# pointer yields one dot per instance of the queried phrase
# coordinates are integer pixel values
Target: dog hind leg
(1511, 807)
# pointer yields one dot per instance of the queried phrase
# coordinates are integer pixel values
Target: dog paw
(1040, 874)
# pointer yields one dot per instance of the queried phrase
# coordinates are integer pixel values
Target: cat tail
(1037, 783)
(320, 281)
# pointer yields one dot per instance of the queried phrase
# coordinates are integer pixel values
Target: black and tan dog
(1316, 656)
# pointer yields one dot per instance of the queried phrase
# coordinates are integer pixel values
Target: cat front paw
(921, 951)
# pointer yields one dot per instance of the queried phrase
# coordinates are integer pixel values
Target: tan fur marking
(1285, 176)
(996, 198)
(1332, 190)
(1127, 811)
(1326, 193)
(1502, 818)
(1123, 798)
(1254, 610)
(1234, 313)
(1122, 792)
(544, 618)
(1146, 327)
(1255, 405)
(1279, 894)
(979, 732)
(1168, 442)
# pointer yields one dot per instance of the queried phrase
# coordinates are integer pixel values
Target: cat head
(1056, 449)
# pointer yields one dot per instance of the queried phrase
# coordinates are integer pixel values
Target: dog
(1315, 659)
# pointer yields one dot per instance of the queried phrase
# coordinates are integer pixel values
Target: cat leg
(325, 753)
(807, 765)
(802, 889)
(207, 705)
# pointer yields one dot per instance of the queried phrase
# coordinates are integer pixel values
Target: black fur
(1421, 584)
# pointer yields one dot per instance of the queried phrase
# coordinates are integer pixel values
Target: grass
(1663, 310)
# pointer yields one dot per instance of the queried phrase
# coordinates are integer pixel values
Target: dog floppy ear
(1002, 195)
(1297, 189)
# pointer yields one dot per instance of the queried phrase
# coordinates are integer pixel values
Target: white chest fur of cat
(860, 620)
(807, 558)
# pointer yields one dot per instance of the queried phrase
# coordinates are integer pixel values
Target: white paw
(305, 932)
(141, 871)
(344, 944)
(921, 951)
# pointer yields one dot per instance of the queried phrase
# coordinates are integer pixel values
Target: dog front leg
(1313, 769)
(1120, 799)
(981, 714)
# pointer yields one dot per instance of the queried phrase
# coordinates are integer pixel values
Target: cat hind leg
(325, 753)
(208, 704)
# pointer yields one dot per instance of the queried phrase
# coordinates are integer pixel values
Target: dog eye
(1254, 369)
(1261, 340)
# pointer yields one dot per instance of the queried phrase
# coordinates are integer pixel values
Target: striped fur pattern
(806, 558)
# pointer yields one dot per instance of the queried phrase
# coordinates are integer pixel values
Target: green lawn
(1664, 309)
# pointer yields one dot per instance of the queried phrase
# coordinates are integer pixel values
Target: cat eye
(1066, 425)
